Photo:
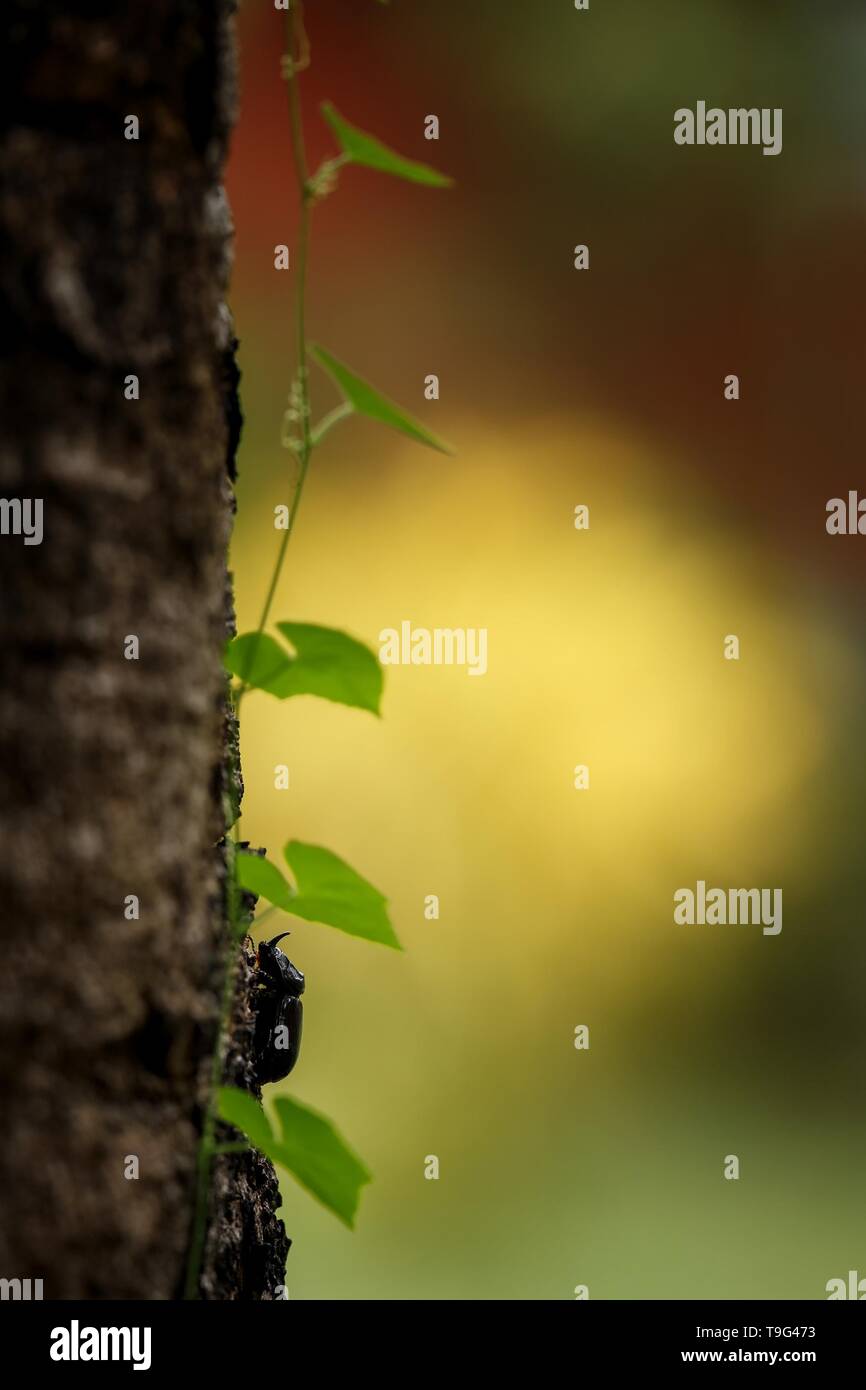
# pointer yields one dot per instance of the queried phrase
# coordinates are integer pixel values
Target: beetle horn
(273, 941)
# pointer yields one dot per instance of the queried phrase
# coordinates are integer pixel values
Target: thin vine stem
(296, 57)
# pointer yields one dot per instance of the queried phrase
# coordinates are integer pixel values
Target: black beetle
(277, 989)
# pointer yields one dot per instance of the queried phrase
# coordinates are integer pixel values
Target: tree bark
(114, 778)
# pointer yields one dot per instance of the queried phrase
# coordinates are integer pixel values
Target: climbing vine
(287, 658)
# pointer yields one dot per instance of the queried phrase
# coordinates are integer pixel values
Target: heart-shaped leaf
(323, 662)
(328, 891)
(308, 1147)
(320, 1159)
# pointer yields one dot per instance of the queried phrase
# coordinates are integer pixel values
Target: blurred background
(559, 387)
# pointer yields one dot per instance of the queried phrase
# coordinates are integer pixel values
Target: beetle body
(277, 989)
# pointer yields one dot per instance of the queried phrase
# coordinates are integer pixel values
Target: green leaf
(260, 876)
(364, 149)
(330, 664)
(308, 1147)
(242, 1110)
(312, 1150)
(324, 662)
(332, 893)
(257, 659)
(328, 891)
(367, 401)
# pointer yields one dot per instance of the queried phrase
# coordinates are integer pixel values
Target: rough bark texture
(114, 257)
(245, 1254)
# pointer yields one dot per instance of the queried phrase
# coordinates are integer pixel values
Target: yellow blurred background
(561, 1167)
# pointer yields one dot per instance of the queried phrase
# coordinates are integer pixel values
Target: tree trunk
(113, 773)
